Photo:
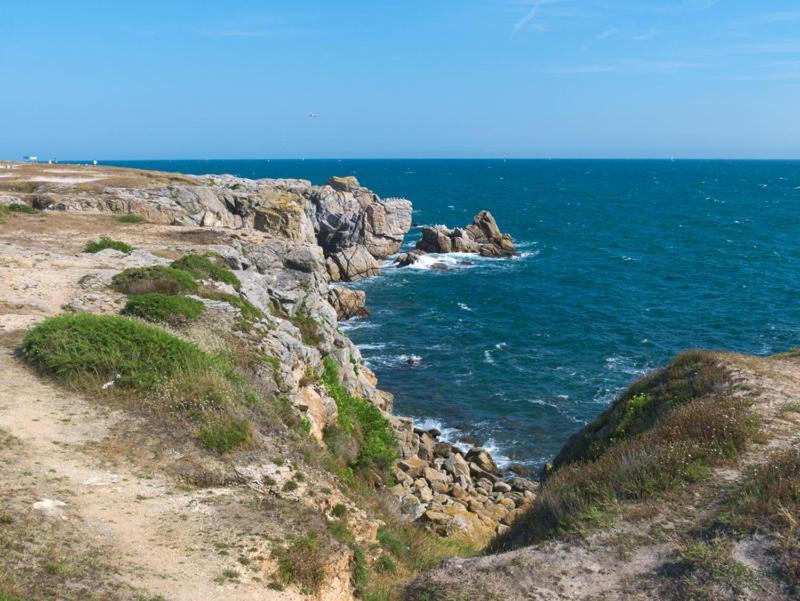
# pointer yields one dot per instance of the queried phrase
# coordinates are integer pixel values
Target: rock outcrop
(348, 303)
(482, 237)
(456, 493)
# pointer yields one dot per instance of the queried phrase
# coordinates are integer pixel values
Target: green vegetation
(339, 511)
(709, 569)
(302, 562)
(17, 208)
(309, 328)
(691, 375)
(144, 280)
(224, 433)
(689, 436)
(151, 366)
(164, 308)
(8, 597)
(207, 268)
(129, 218)
(94, 246)
(289, 486)
(363, 439)
(249, 311)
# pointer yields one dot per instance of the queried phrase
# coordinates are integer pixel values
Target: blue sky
(499, 78)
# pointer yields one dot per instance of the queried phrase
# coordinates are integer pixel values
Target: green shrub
(303, 562)
(249, 310)
(339, 511)
(129, 218)
(203, 267)
(94, 246)
(144, 280)
(86, 351)
(690, 375)
(164, 308)
(224, 432)
(678, 449)
(387, 564)
(289, 486)
(18, 208)
(360, 422)
(308, 326)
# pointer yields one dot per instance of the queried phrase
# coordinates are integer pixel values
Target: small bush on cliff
(362, 424)
(206, 268)
(143, 280)
(690, 375)
(146, 366)
(308, 326)
(303, 562)
(95, 246)
(678, 448)
(248, 309)
(164, 308)
(129, 218)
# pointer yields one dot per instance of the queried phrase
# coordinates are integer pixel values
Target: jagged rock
(412, 507)
(348, 303)
(523, 485)
(456, 465)
(355, 262)
(501, 487)
(413, 466)
(481, 236)
(409, 258)
(433, 475)
(482, 459)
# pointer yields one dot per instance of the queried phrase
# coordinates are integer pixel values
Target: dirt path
(163, 537)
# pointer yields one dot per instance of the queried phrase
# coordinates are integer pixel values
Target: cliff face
(263, 260)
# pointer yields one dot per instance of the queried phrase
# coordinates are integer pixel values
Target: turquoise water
(623, 264)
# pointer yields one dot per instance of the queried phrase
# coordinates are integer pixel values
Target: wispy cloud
(631, 65)
(608, 33)
(647, 35)
(532, 13)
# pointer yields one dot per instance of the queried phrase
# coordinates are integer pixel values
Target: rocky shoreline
(292, 244)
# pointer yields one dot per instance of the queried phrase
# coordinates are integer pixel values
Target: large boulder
(482, 236)
(348, 303)
(353, 263)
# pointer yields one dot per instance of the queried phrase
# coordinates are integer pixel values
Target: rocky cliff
(264, 259)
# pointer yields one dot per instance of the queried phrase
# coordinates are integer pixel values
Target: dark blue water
(624, 263)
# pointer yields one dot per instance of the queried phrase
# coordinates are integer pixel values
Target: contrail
(532, 13)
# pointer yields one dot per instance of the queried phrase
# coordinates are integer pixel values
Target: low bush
(94, 246)
(17, 208)
(249, 310)
(164, 308)
(308, 326)
(678, 449)
(144, 280)
(303, 561)
(709, 572)
(207, 268)
(690, 375)
(361, 427)
(129, 218)
(146, 365)
(224, 433)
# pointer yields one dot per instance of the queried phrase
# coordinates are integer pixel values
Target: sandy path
(162, 536)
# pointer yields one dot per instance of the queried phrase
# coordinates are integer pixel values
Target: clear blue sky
(410, 78)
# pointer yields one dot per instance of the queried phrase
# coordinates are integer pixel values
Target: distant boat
(31, 158)
(94, 162)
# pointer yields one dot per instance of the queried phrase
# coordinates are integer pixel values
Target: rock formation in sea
(482, 237)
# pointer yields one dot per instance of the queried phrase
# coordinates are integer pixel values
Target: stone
(482, 236)
(523, 485)
(457, 466)
(502, 487)
(482, 459)
(413, 466)
(433, 475)
(440, 487)
(412, 507)
(348, 303)
(355, 262)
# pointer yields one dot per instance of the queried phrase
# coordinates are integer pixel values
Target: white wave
(357, 324)
(501, 345)
(371, 346)
(624, 365)
(393, 360)
(487, 357)
(465, 307)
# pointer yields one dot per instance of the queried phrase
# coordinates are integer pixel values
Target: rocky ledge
(482, 237)
(456, 492)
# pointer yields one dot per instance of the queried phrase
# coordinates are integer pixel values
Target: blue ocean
(622, 264)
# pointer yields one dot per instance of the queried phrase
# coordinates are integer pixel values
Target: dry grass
(666, 445)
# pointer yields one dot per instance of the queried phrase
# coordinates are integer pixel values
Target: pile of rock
(456, 493)
(482, 237)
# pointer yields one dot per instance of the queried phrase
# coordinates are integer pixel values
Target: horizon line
(409, 158)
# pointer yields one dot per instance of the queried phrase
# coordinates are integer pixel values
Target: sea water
(621, 264)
